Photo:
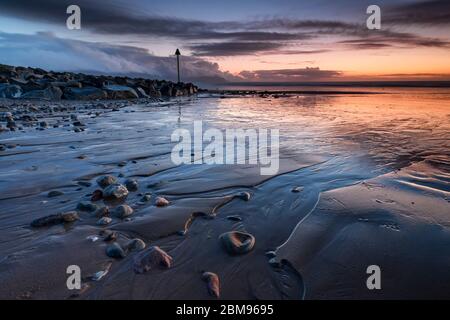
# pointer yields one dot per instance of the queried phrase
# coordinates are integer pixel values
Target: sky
(233, 40)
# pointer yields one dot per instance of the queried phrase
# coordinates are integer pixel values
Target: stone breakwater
(35, 83)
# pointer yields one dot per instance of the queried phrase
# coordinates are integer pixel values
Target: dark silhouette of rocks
(35, 83)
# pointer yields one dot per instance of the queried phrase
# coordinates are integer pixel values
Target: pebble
(115, 251)
(122, 211)
(108, 235)
(131, 184)
(102, 212)
(54, 219)
(270, 254)
(97, 195)
(213, 283)
(55, 193)
(115, 191)
(105, 181)
(237, 242)
(161, 202)
(146, 198)
(135, 245)
(104, 221)
(87, 206)
(152, 256)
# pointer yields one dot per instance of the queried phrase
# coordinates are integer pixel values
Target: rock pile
(35, 83)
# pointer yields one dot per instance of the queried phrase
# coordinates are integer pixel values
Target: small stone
(115, 192)
(102, 212)
(131, 184)
(146, 198)
(213, 283)
(135, 245)
(244, 196)
(274, 263)
(104, 221)
(115, 251)
(70, 216)
(108, 235)
(270, 254)
(153, 256)
(43, 124)
(87, 206)
(236, 242)
(105, 181)
(161, 202)
(97, 195)
(54, 193)
(122, 211)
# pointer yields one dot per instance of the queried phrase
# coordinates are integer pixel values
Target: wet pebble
(104, 221)
(115, 251)
(151, 257)
(297, 189)
(213, 283)
(54, 219)
(97, 195)
(102, 212)
(161, 202)
(237, 242)
(108, 235)
(123, 211)
(115, 192)
(105, 181)
(135, 245)
(131, 184)
(87, 206)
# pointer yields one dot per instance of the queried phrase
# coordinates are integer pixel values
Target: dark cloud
(50, 52)
(289, 75)
(233, 48)
(436, 12)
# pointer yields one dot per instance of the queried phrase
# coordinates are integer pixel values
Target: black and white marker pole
(177, 53)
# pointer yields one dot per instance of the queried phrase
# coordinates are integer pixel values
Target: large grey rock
(10, 91)
(120, 92)
(88, 93)
(51, 93)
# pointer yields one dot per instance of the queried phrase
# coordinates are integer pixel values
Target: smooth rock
(97, 195)
(105, 181)
(104, 221)
(213, 283)
(54, 219)
(131, 184)
(237, 242)
(115, 192)
(87, 206)
(161, 202)
(135, 245)
(244, 196)
(102, 212)
(108, 235)
(151, 257)
(122, 211)
(115, 251)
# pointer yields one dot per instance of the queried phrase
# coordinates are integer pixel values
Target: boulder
(88, 93)
(51, 93)
(120, 92)
(10, 91)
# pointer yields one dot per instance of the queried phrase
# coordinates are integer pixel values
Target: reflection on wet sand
(371, 180)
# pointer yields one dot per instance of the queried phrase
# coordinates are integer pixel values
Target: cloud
(436, 12)
(289, 75)
(47, 51)
(234, 38)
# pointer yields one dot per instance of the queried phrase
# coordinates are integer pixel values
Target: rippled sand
(374, 171)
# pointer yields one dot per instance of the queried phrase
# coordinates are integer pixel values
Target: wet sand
(374, 178)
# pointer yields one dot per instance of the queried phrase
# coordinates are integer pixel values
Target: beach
(364, 179)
